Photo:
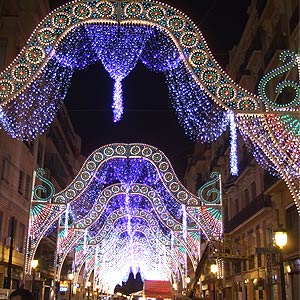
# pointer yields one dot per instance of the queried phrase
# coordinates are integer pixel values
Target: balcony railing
(261, 202)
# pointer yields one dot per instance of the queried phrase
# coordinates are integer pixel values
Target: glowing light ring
(6, 88)
(198, 58)
(46, 36)
(227, 92)
(176, 23)
(121, 150)
(156, 13)
(135, 150)
(189, 39)
(247, 103)
(35, 55)
(61, 20)
(210, 76)
(105, 9)
(98, 156)
(133, 10)
(82, 11)
(21, 72)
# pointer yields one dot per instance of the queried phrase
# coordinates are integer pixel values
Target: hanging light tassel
(233, 145)
(85, 240)
(184, 222)
(117, 105)
(67, 219)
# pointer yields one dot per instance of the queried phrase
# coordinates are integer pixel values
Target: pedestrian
(21, 294)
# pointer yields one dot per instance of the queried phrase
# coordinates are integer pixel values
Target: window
(27, 187)
(246, 197)
(237, 267)
(259, 260)
(21, 182)
(251, 262)
(244, 262)
(253, 190)
(258, 237)
(1, 223)
(292, 226)
(21, 238)
(3, 46)
(5, 168)
(12, 223)
(237, 206)
(40, 155)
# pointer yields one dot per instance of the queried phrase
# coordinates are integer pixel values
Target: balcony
(258, 204)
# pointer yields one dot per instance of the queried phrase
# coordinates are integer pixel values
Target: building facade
(255, 203)
(57, 152)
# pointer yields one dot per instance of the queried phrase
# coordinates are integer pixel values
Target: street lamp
(280, 237)
(70, 278)
(88, 285)
(187, 281)
(97, 289)
(34, 265)
(214, 270)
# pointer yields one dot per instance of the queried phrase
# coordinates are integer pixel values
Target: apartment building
(255, 202)
(57, 151)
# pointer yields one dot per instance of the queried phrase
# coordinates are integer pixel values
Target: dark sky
(148, 115)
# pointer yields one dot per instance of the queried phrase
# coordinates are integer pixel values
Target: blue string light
(119, 48)
(233, 145)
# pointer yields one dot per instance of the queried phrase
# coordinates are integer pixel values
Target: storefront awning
(157, 289)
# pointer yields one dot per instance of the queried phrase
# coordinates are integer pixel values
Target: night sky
(148, 115)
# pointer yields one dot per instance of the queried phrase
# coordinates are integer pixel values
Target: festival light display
(165, 40)
(206, 101)
(126, 199)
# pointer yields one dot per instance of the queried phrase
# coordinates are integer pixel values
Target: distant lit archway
(126, 196)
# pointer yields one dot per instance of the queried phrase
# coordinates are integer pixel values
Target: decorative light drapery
(119, 49)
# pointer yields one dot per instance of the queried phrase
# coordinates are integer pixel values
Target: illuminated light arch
(257, 116)
(148, 241)
(65, 244)
(136, 189)
(161, 193)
